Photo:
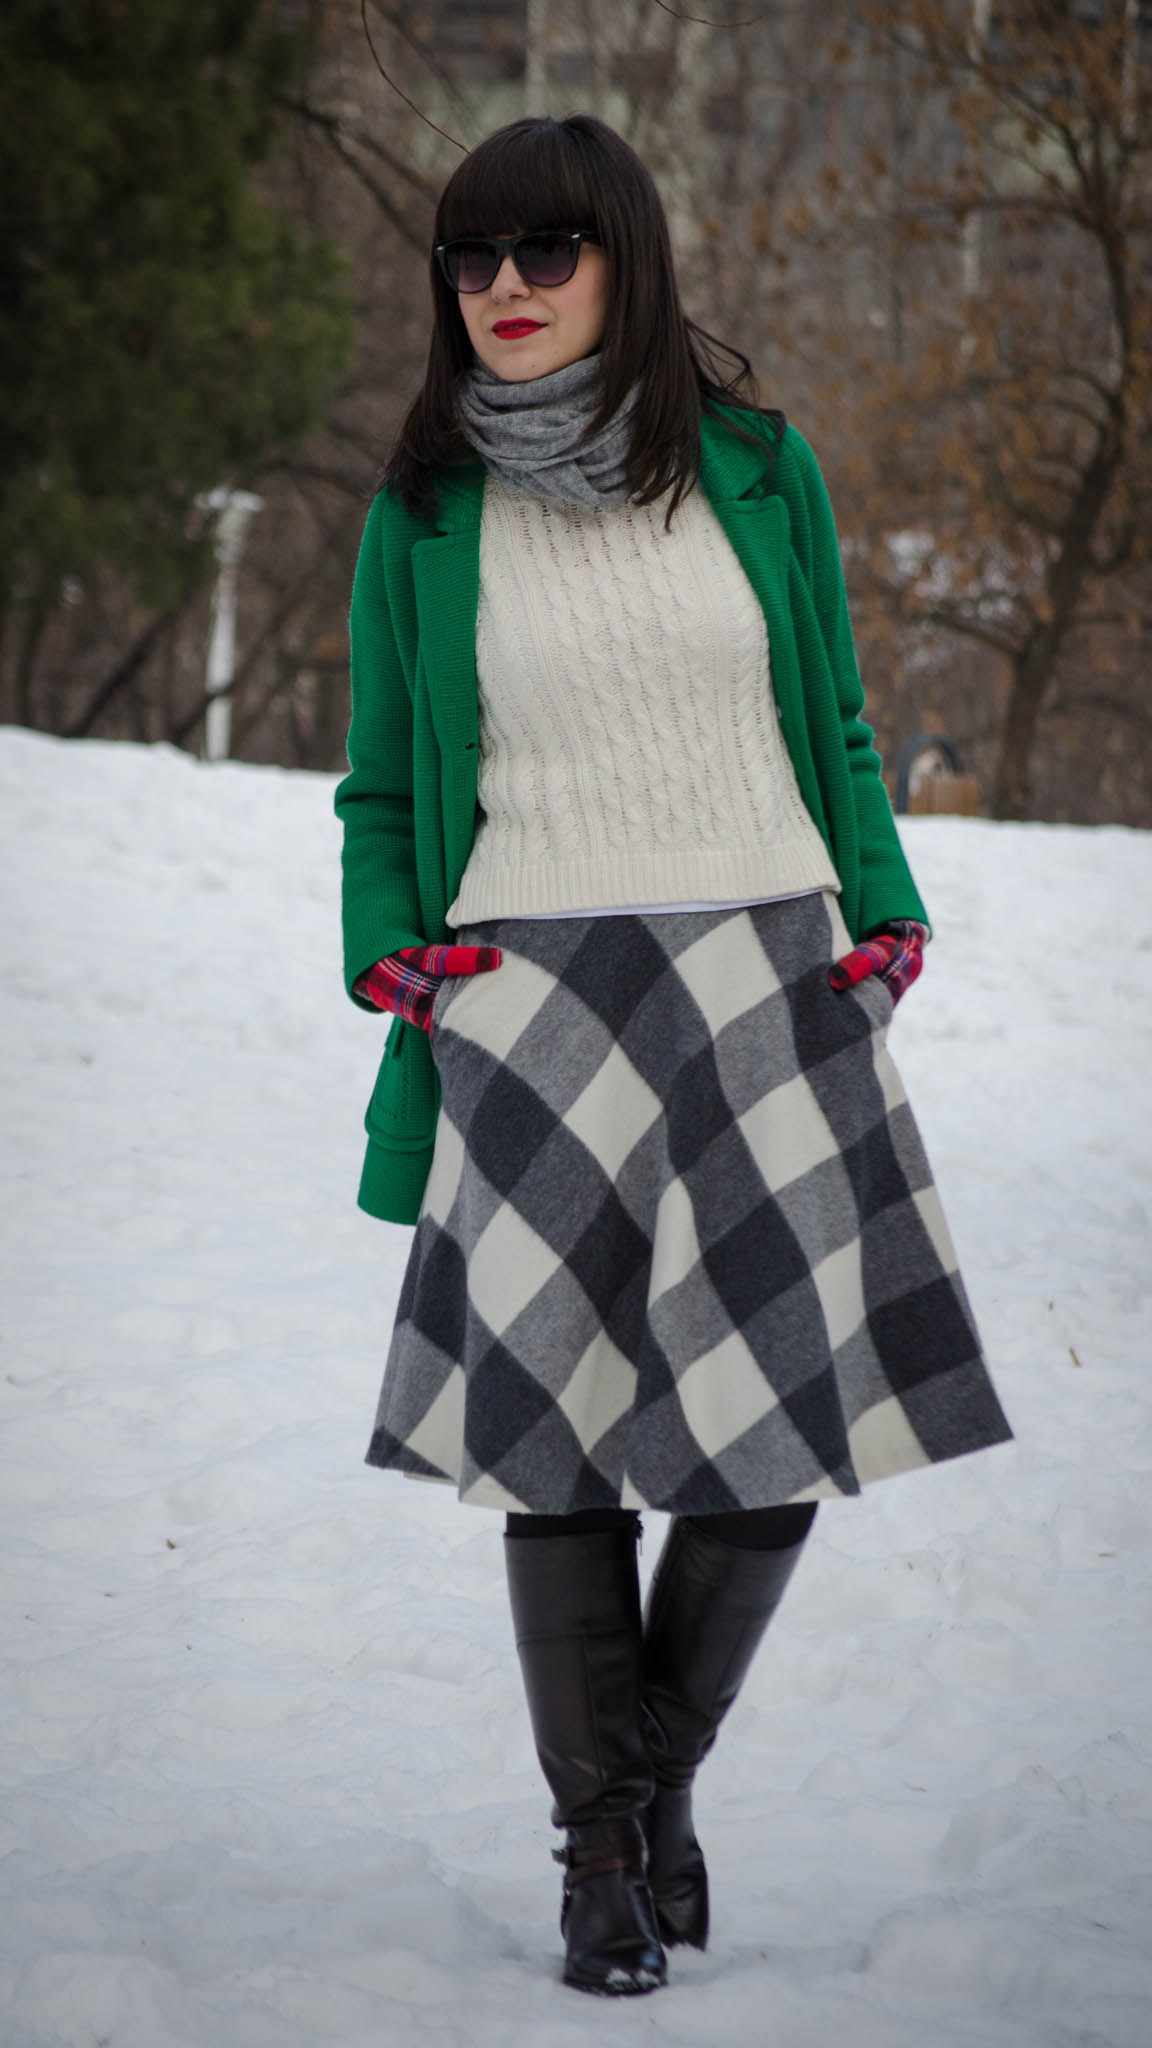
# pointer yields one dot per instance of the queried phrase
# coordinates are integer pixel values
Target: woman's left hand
(894, 951)
(408, 981)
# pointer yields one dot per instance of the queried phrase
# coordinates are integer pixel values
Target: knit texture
(630, 746)
(530, 431)
(408, 803)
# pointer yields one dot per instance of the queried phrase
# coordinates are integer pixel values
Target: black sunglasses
(547, 256)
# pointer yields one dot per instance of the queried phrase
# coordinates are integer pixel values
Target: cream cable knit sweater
(630, 748)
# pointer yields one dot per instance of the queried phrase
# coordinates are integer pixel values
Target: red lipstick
(509, 330)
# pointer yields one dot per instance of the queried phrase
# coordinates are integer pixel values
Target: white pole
(233, 509)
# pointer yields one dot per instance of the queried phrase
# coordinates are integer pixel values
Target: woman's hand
(894, 951)
(406, 982)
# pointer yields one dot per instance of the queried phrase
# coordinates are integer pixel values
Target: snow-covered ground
(267, 1778)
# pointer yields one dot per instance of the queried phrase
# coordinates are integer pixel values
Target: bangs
(514, 182)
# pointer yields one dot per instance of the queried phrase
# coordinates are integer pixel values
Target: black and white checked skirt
(680, 1245)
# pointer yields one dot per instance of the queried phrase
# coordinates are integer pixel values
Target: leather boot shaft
(576, 1615)
(708, 1607)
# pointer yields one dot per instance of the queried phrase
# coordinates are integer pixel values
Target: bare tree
(1012, 507)
(926, 221)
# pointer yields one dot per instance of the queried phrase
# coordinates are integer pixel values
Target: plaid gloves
(894, 951)
(406, 982)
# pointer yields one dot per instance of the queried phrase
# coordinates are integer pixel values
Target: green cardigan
(409, 804)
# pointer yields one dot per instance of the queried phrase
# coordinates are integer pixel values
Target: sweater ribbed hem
(730, 875)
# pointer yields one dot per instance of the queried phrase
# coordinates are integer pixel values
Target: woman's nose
(508, 281)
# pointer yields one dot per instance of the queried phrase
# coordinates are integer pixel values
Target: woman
(613, 824)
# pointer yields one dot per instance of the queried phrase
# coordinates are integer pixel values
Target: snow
(267, 1774)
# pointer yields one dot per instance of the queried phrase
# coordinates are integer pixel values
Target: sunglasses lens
(546, 259)
(471, 266)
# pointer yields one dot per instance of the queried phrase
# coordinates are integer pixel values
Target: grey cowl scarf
(529, 433)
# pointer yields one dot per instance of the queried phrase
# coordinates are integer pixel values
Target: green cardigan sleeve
(886, 885)
(374, 801)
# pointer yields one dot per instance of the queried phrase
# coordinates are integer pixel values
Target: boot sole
(682, 1916)
(679, 1936)
(629, 1985)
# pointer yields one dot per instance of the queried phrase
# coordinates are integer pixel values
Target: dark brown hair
(578, 172)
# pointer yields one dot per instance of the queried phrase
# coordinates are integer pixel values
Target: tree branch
(334, 136)
(297, 597)
(181, 728)
(1103, 700)
(128, 667)
(970, 628)
(391, 82)
(749, 22)
(316, 117)
(398, 20)
(295, 467)
(1119, 555)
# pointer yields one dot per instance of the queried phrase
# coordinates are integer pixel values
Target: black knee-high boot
(708, 1607)
(576, 1613)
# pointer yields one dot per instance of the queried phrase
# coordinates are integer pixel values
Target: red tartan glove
(894, 951)
(407, 982)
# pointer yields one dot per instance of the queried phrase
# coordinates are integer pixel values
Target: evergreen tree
(162, 323)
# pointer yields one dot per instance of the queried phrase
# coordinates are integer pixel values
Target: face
(521, 330)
